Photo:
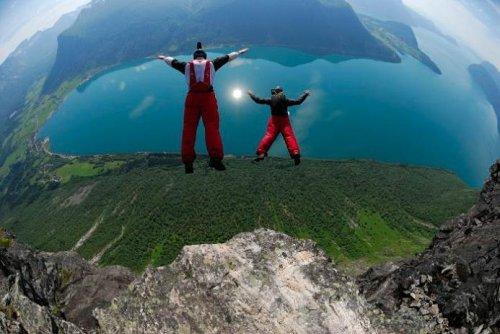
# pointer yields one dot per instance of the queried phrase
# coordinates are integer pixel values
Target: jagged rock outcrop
(455, 283)
(260, 282)
(53, 293)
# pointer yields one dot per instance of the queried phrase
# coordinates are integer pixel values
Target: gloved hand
(242, 51)
(307, 92)
(236, 54)
(166, 59)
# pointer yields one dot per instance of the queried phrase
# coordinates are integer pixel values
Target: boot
(296, 159)
(259, 158)
(216, 164)
(189, 168)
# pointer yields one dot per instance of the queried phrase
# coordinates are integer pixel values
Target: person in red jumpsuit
(201, 102)
(279, 122)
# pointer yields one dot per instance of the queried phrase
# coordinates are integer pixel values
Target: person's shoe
(296, 160)
(189, 168)
(216, 164)
(259, 158)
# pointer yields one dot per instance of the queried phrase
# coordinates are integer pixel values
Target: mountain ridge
(228, 22)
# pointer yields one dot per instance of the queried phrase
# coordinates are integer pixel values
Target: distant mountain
(487, 77)
(395, 10)
(392, 10)
(400, 37)
(30, 62)
(114, 31)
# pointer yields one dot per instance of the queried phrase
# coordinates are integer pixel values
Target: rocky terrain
(455, 283)
(260, 282)
(52, 293)
(265, 282)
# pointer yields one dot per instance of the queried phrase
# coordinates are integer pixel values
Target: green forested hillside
(20, 72)
(140, 210)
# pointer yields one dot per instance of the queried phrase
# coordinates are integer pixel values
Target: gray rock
(246, 285)
(48, 293)
(461, 268)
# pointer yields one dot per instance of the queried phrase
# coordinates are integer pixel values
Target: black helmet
(276, 90)
(199, 52)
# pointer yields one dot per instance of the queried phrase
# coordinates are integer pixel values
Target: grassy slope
(358, 211)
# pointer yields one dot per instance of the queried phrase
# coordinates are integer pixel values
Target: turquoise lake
(359, 108)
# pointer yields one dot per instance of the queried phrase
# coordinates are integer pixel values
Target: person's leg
(268, 139)
(213, 140)
(291, 140)
(191, 119)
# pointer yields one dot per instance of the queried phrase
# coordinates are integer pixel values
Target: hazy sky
(453, 18)
(21, 19)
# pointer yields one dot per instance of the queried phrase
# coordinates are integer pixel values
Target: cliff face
(51, 293)
(260, 282)
(456, 281)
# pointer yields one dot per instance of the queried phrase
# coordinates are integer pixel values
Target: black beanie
(199, 52)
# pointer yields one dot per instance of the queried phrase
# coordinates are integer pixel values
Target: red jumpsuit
(201, 103)
(279, 123)
(275, 126)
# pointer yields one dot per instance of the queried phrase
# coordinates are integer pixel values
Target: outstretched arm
(221, 61)
(258, 99)
(298, 101)
(178, 65)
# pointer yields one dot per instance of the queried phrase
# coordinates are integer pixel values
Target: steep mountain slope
(140, 210)
(52, 293)
(456, 280)
(30, 62)
(114, 31)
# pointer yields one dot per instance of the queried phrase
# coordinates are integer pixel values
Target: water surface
(359, 108)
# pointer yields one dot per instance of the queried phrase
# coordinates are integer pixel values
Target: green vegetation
(359, 212)
(37, 109)
(85, 169)
(65, 276)
(5, 241)
(399, 37)
(144, 209)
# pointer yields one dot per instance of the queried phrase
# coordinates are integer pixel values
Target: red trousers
(202, 105)
(275, 126)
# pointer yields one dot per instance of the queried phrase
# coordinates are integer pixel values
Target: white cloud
(240, 62)
(307, 114)
(138, 111)
(141, 68)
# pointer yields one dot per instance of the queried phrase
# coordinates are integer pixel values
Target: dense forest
(141, 210)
